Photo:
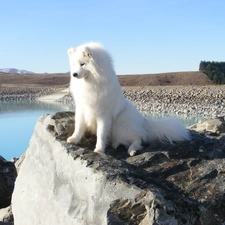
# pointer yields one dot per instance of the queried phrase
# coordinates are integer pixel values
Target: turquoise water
(18, 119)
(17, 122)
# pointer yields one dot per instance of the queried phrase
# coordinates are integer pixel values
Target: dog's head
(80, 60)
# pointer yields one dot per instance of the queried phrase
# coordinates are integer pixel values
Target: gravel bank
(23, 94)
(203, 101)
(206, 101)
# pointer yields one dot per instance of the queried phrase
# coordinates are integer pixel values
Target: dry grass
(62, 79)
(33, 80)
(165, 79)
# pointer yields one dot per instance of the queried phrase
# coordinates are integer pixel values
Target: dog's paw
(71, 140)
(115, 146)
(99, 150)
(132, 152)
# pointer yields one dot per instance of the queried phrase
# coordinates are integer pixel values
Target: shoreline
(26, 94)
(201, 101)
(54, 97)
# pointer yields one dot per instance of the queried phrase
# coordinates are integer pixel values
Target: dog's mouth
(76, 75)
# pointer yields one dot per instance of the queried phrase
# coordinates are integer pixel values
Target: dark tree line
(214, 70)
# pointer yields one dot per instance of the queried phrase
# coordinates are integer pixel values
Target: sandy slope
(55, 96)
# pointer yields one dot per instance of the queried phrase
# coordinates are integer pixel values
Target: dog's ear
(71, 51)
(86, 53)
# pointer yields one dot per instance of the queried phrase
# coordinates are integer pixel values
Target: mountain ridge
(14, 70)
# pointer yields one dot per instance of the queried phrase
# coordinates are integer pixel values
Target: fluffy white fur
(102, 109)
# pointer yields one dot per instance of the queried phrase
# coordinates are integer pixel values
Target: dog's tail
(167, 130)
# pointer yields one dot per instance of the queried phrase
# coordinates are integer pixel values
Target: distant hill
(165, 79)
(63, 79)
(33, 80)
(14, 70)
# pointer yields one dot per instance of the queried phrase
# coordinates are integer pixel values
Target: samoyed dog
(102, 109)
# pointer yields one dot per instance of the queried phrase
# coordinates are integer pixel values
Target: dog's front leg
(103, 131)
(79, 129)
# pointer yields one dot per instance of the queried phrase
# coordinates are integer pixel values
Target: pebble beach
(26, 94)
(202, 101)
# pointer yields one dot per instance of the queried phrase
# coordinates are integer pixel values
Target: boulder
(62, 183)
(19, 162)
(7, 178)
(6, 216)
(215, 125)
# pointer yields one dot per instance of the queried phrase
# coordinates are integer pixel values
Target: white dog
(102, 109)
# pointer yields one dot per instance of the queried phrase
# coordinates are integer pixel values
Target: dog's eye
(82, 64)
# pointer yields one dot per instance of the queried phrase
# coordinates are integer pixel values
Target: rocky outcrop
(61, 183)
(215, 126)
(7, 178)
(6, 216)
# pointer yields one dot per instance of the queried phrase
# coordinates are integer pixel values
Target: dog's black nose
(75, 74)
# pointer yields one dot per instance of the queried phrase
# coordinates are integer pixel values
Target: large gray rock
(7, 178)
(6, 216)
(216, 126)
(60, 183)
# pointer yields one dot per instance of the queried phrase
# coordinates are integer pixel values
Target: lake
(18, 119)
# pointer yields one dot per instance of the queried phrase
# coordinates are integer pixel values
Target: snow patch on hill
(13, 70)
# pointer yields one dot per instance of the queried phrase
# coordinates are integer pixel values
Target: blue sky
(143, 36)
